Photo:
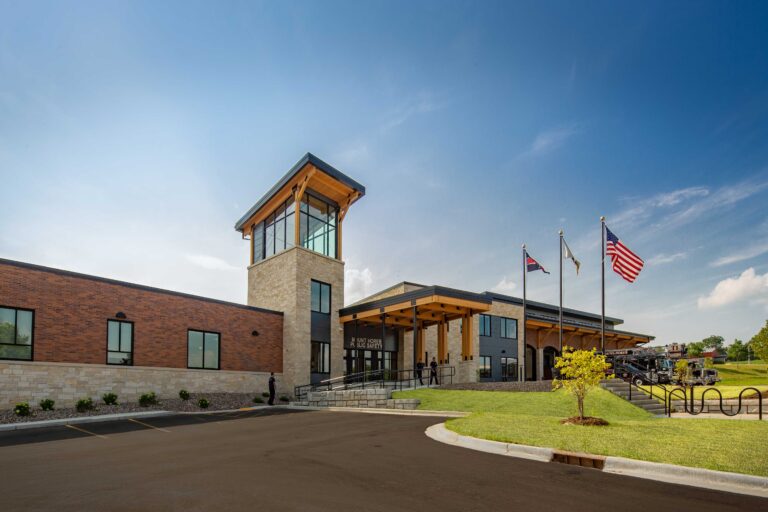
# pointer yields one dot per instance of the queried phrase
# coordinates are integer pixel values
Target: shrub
(265, 395)
(258, 400)
(84, 404)
(148, 399)
(184, 394)
(109, 398)
(284, 399)
(203, 403)
(21, 409)
(47, 404)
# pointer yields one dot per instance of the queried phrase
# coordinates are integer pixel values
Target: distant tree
(580, 371)
(759, 343)
(713, 342)
(695, 349)
(737, 351)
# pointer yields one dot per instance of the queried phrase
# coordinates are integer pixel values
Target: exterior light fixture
(255, 333)
(120, 314)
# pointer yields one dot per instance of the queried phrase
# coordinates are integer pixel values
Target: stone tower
(295, 234)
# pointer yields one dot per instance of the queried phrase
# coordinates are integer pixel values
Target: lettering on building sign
(366, 343)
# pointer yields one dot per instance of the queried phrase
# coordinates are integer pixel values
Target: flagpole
(521, 371)
(602, 284)
(561, 292)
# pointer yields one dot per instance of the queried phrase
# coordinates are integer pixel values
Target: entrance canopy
(578, 335)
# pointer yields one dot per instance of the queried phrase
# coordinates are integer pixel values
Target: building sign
(369, 337)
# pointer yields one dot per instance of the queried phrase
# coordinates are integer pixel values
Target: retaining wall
(378, 398)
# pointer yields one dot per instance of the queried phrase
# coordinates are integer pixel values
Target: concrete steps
(639, 397)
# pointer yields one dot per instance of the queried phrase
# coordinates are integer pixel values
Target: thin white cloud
(742, 255)
(549, 140)
(505, 286)
(209, 262)
(423, 104)
(357, 283)
(662, 259)
(734, 289)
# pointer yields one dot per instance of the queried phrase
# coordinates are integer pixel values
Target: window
(279, 229)
(484, 367)
(485, 325)
(119, 342)
(317, 229)
(509, 328)
(508, 368)
(203, 350)
(16, 327)
(321, 297)
(320, 361)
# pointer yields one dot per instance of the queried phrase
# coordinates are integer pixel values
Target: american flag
(624, 262)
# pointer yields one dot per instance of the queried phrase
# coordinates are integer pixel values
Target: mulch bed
(217, 401)
(587, 421)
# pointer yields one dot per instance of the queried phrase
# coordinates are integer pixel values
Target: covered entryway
(530, 362)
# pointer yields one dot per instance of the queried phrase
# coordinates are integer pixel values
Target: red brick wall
(71, 313)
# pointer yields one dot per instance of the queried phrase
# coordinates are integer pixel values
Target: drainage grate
(579, 459)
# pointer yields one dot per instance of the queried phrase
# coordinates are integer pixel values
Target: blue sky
(133, 135)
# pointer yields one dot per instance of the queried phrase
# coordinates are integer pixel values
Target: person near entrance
(271, 388)
(419, 370)
(433, 372)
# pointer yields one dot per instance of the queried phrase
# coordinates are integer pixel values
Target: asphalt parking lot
(280, 460)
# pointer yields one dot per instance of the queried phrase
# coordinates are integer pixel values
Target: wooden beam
(441, 345)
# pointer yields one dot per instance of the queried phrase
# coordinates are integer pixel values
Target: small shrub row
(148, 399)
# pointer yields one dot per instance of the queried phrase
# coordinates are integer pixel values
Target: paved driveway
(305, 461)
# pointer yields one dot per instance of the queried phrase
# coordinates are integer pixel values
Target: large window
(279, 229)
(509, 328)
(16, 327)
(508, 368)
(320, 361)
(321, 297)
(203, 350)
(484, 367)
(119, 342)
(485, 325)
(317, 229)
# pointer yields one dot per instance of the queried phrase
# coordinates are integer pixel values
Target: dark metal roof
(309, 158)
(78, 275)
(413, 295)
(551, 308)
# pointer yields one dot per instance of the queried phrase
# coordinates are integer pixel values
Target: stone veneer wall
(282, 282)
(22, 381)
(528, 386)
(374, 398)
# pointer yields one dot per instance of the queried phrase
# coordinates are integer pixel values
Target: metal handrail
(378, 379)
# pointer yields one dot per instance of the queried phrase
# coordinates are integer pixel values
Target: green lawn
(743, 374)
(533, 419)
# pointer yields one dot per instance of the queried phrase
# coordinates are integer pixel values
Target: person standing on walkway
(419, 370)
(433, 372)
(272, 388)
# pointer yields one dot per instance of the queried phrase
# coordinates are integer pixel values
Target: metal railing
(383, 378)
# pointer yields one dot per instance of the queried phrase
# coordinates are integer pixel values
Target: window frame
(328, 344)
(481, 368)
(504, 330)
(204, 332)
(328, 225)
(119, 340)
(320, 298)
(503, 366)
(16, 334)
(480, 323)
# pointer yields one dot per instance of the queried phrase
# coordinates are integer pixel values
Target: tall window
(485, 325)
(321, 297)
(16, 333)
(320, 361)
(508, 368)
(203, 350)
(509, 328)
(317, 229)
(484, 367)
(119, 342)
(279, 229)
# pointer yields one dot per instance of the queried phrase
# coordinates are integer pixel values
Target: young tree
(580, 371)
(759, 343)
(681, 371)
(737, 351)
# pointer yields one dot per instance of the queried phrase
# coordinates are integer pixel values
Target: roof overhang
(569, 328)
(308, 173)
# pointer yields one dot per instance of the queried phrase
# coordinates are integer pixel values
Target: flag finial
(560, 232)
(523, 246)
(602, 218)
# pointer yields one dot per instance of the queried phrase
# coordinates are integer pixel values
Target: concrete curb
(668, 473)
(372, 410)
(82, 419)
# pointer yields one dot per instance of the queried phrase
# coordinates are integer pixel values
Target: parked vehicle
(644, 366)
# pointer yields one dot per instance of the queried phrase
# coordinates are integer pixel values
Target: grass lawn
(743, 374)
(533, 419)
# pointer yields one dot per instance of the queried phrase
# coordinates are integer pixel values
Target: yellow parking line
(148, 425)
(85, 431)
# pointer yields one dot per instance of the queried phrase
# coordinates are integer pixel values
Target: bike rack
(692, 409)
